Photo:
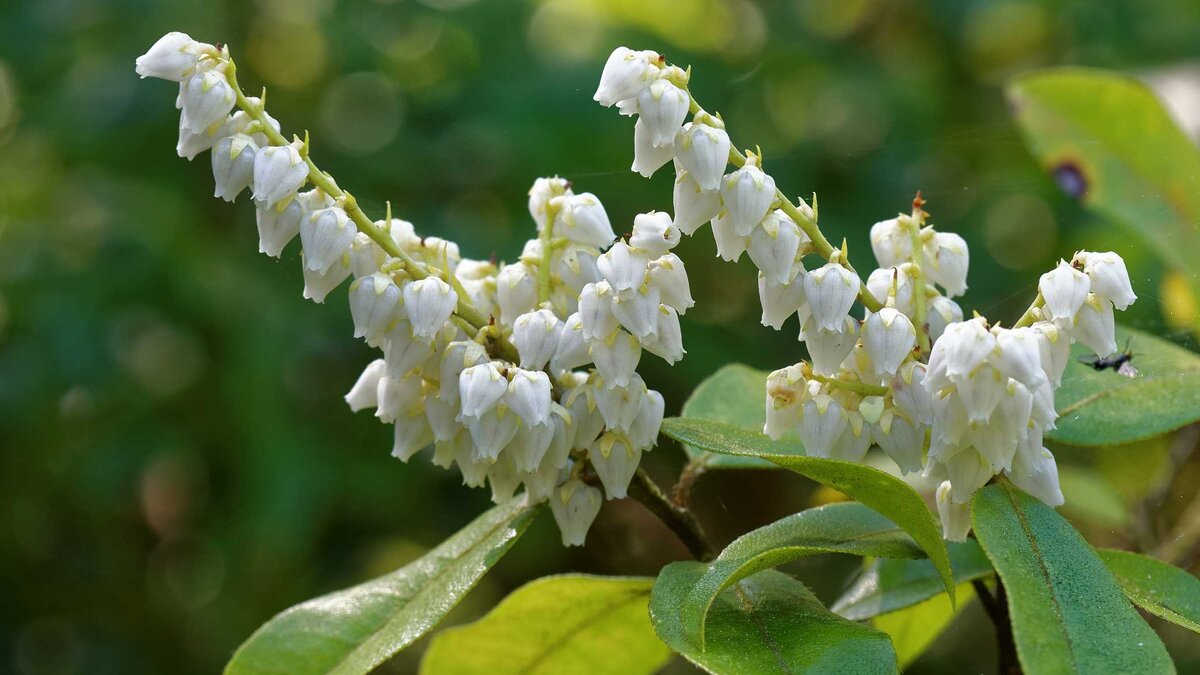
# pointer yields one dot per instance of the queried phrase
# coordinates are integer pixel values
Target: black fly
(1122, 362)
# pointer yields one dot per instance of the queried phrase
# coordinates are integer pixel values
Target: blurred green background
(176, 462)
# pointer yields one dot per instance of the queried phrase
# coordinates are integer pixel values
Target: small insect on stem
(1122, 362)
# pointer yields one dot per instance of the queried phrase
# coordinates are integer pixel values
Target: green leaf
(767, 623)
(355, 630)
(1103, 408)
(1135, 164)
(913, 629)
(1090, 498)
(1068, 613)
(835, 528)
(1161, 589)
(562, 624)
(883, 492)
(733, 394)
(890, 585)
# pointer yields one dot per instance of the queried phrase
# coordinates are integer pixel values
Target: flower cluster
(480, 361)
(960, 401)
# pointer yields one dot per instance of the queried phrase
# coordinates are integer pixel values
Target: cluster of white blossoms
(959, 401)
(482, 362)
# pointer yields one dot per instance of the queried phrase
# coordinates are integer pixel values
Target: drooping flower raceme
(960, 401)
(486, 363)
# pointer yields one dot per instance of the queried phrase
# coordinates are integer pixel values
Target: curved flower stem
(329, 186)
(821, 245)
(857, 387)
(918, 275)
(1030, 315)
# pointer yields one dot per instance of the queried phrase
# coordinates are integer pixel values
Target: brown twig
(997, 610)
(679, 519)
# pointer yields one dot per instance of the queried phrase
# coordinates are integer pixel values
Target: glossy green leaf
(914, 628)
(1110, 142)
(883, 492)
(1157, 587)
(1068, 613)
(355, 630)
(1104, 408)
(767, 623)
(556, 625)
(1090, 498)
(835, 528)
(890, 585)
(733, 394)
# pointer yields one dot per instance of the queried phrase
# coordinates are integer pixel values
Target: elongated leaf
(1104, 408)
(835, 528)
(890, 585)
(1110, 143)
(767, 623)
(1161, 589)
(887, 494)
(913, 629)
(733, 394)
(557, 625)
(355, 630)
(1068, 613)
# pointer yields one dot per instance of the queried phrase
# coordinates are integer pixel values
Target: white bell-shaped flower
(703, 151)
(516, 292)
(948, 260)
(529, 396)
(326, 236)
(774, 245)
(780, 301)
(823, 422)
(429, 303)
(443, 417)
(1108, 276)
(172, 57)
(1095, 325)
(492, 431)
(644, 430)
(888, 338)
(830, 291)
(693, 205)
(828, 348)
(318, 285)
(503, 478)
(667, 340)
(457, 357)
(619, 406)
(1064, 289)
(278, 225)
(647, 157)
(403, 350)
(942, 312)
(397, 395)
(536, 336)
(748, 194)
(623, 267)
(575, 505)
(279, 171)
(891, 243)
(1018, 355)
(638, 311)
(625, 73)
(573, 349)
(962, 347)
(910, 394)
(540, 194)
(587, 422)
(207, 99)
(596, 317)
(582, 218)
(411, 435)
(853, 443)
(480, 388)
(233, 165)
(903, 441)
(968, 471)
(662, 107)
(374, 301)
(981, 391)
(529, 446)
(616, 358)
(654, 233)
(784, 403)
(364, 393)
(576, 267)
(955, 517)
(615, 460)
(669, 276)
(1054, 347)
(730, 245)
(880, 284)
(1035, 471)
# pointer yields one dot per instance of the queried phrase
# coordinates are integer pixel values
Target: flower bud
(279, 171)
(173, 57)
(654, 233)
(529, 397)
(374, 301)
(543, 190)
(207, 99)
(364, 393)
(1063, 289)
(662, 107)
(536, 336)
(888, 338)
(748, 194)
(774, 245)
(616, 358)
(1108, 276)
(625, 74)
(703, 151)
(575, 506)
(669, 276)
(955, 517)
(948, 261)
(615, 460)
(326, 236)
(830, 290)
(233, 165)
(693, 206)
(582, 218)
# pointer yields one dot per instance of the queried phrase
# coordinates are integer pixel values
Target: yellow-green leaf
(1161, 589)
(890, 585)
(557, 626)
(733, 394)
(914, 628)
